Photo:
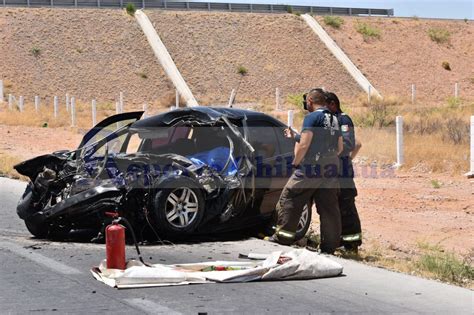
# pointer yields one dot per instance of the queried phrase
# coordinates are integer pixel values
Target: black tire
(37, 229)
(170, 219)
(303, 227)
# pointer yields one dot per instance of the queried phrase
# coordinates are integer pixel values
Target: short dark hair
(332, 97)
(317, 96)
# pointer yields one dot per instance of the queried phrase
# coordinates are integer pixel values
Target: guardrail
(199, 6)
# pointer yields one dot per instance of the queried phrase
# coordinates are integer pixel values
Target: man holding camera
(315, 176)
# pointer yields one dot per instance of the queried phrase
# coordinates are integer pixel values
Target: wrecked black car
(189, 171)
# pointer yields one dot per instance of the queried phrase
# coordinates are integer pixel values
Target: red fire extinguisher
(115, 245)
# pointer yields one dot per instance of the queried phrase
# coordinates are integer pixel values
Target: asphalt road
(54, 277)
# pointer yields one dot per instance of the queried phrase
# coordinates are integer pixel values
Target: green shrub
(130, 8)
(439, 35)
(445, 265)
(379, 113)
(242, 70)
(436, 184)
(35, 51)
(289, 9)
(446, 65)
(295, 99)
(368, 31)
(453, 102)
(333, 21)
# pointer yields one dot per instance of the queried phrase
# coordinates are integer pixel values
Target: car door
(263, 138)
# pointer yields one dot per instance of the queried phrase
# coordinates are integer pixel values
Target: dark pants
(302, 188)
(351, 228)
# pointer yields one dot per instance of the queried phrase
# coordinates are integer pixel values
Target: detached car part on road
(189, 171)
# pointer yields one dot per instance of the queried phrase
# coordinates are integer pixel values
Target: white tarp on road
(297, 264)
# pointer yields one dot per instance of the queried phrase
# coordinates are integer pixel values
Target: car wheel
(179, 207)
(304, 223)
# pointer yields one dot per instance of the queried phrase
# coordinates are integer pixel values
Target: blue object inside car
(215, 158)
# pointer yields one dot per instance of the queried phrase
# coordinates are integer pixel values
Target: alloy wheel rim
(303, 219)
(181, 207)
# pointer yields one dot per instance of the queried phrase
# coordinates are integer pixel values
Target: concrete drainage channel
(165, 59)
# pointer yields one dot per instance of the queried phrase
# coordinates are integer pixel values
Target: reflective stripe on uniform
(285, 234)
(352, 237)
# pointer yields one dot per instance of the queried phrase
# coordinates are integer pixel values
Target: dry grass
(45, 116)
(429, 261)
(6, 166)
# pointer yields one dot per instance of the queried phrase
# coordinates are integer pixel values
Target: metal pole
(456, 90)
(471, 173)
(177, 99)
(117, 107)
(413, 93)
(73, 112)
(55, 104)
(94, 113)
(10, 102)
(369, 93)
(37, 103)
(399, 127)
(67, 102)
(1, 91)
(290, 118)
(22, 103)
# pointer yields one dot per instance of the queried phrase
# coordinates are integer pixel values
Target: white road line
(39, 259)
(150, 307)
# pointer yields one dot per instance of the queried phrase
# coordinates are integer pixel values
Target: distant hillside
(277, 50)
(96, 53)
(89, 53)
(405, 54)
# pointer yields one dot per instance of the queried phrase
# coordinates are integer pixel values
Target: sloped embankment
(278, 51)
(85, 52)
(404, 54)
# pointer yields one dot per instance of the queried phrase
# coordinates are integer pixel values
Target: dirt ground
(398, 209)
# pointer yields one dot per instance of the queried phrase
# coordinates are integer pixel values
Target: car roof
(202, 113)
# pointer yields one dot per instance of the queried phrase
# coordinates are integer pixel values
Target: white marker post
(369, 93)
(413, 93)
(73, 112)
(117, 107)
(56, 106)
(399, 127)
(37, 103)
(121, 102)
(470, 174)
(291, 116)
(10, 102)
(231, 98)
(67, 102)
(177, 99)
(94, 113)
(1, 91)
(456, 90)
(277, 99)
(22, 104)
